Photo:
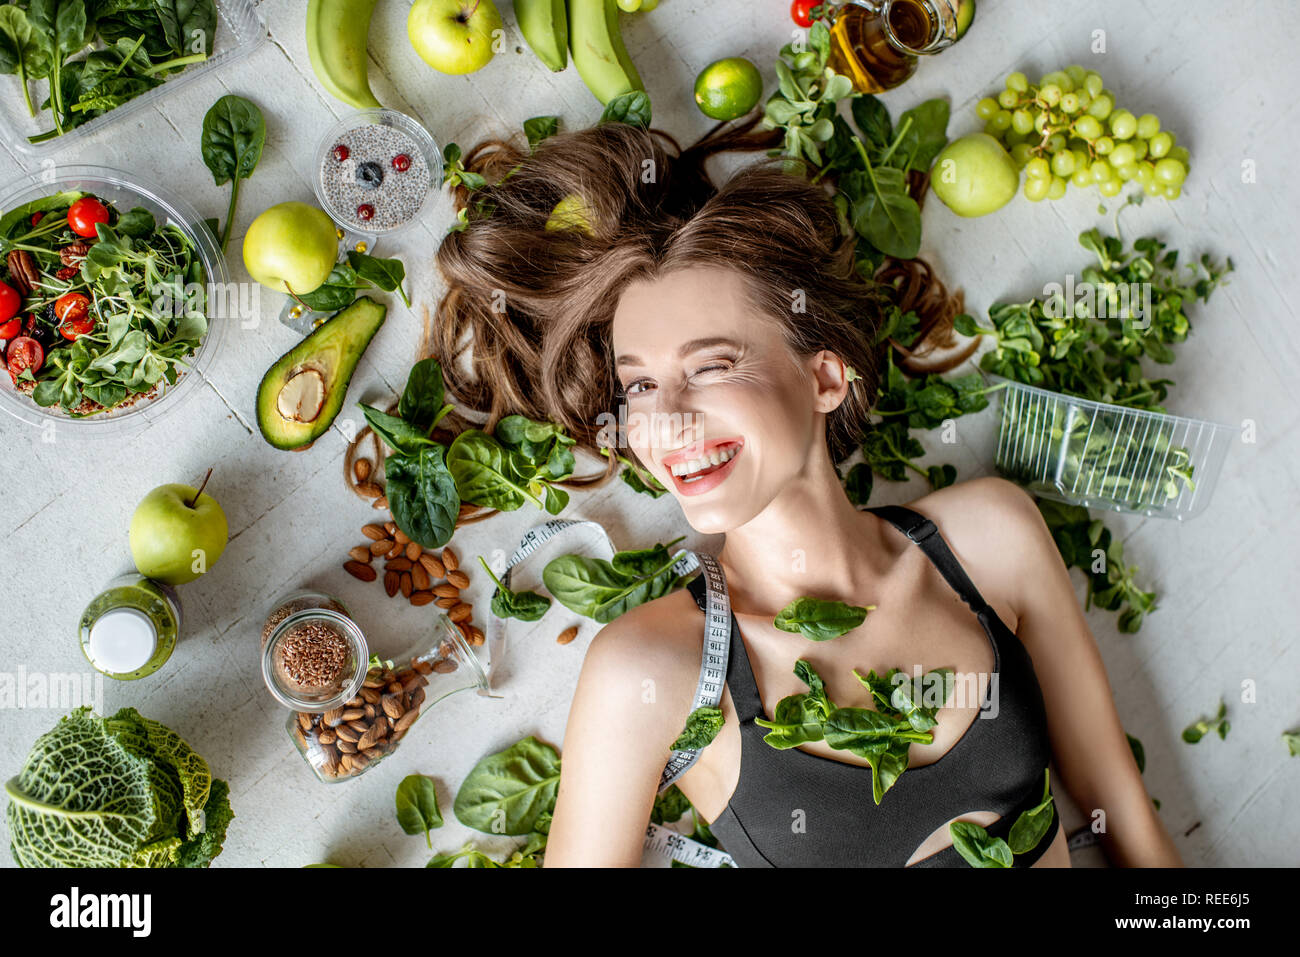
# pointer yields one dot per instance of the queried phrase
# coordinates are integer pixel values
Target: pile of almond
(344, 741)
(422, 577)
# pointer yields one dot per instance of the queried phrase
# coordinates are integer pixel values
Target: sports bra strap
(925, 533)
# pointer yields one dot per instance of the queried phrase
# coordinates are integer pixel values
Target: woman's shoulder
(663, 637)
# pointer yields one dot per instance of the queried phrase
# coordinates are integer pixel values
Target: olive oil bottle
(877, 43)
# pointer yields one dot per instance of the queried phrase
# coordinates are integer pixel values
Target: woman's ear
(831, 378)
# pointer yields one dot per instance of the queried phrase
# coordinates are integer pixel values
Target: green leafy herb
(396, 432)
(510, 791)
(524, 605)
(520, 463)
(632, 108)
(798, 718)
(422, 495)
(386, 274)
(669, 806)
(975, 845)
(820, 620)
(422, 401)
(636, 478)
(1031, 826)
(454, 173)
(417, 806)
(702, 726)
(1201, 727)
(603, 590)
(539, 128)
(24, 52)
(234, 131)
(1292, 741)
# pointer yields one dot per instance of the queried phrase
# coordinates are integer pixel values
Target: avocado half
(303, 391)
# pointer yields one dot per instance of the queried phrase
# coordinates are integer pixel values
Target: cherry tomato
(801, 11)
(36, 218)
(24, 353)
(71, 307)
(10, 302)
(10, 329)
(84, 214)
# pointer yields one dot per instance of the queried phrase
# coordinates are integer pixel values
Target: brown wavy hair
(524, 326)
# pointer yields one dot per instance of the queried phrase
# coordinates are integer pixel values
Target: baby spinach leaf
(883, 740)
(234, 129)
(974, 844)
(632, 108)
(702, 726)
(335, 293)
(524, 605)
(907, 696)
(421, 403)
(417, 806)
(485, 473)
(820, 620)
(925, 136)
(422, 496)
(798, 718)
(188, 25)
(872, 119)
(592, 587)
(643, 561)
(387, 274)
(669, 806)
(539, 128)
(1031, 825)
(23, 51)
(508, 792)
(886, 215)
(137, 223)
(398, 434)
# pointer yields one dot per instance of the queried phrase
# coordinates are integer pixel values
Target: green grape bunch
(1066, 130)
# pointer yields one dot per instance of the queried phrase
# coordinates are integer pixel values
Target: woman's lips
(711, 476)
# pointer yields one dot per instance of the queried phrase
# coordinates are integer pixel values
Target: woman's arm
(1088, 742)
(632, 700)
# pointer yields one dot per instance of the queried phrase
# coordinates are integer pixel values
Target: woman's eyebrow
(686, 348)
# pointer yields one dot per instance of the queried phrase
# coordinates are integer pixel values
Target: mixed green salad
(97, 307)
(133, 45)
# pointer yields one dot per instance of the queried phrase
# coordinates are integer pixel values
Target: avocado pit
(302, 397)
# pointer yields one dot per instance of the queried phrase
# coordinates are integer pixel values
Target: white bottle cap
(122, 640)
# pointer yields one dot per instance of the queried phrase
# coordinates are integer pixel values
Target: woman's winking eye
(719, 364)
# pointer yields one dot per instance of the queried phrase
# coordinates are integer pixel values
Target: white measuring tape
(708, 691)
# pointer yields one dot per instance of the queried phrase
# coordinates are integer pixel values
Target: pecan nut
(73, 254)
(22, 271)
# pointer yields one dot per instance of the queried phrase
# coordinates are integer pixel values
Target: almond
(328, 737)
(567, 635)
(464, 627)
(416, 680)
(369, 709)
(369, 489)
(407, 585)
(445, 666)
(371, 754)
(381, 546)
(368, 739)
(304, 721)
(359, 761)
(357, 702)
(344, 733)
(414, 551)
(449, 559)
(419, 577)
(371, 695)
(351, 714)
(406, 720)
(395, 550)
(391, 529)
(360, 570)
(459, 612)
(373, 532)
(399, 564)
(361, 469)
(447, 602)
(360, 554)
(392, 707)
(361, 727)
(447, 591)
(423, 667)
(381, 502)
(391, 580)
(332, 717)
(417, 699)
(394, 687)
(419, 598)
(431, 565)
(372, 681)
(457, 578)
(476, 635)
(401, 537)
(345, 760)
(444, 649)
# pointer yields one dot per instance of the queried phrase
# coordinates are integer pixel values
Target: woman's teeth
(713, 459)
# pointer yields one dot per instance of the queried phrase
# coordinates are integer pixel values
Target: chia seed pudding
(374, 178)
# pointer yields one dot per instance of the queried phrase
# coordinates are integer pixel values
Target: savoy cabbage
(121, 791)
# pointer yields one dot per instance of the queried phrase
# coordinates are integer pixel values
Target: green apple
(291, 247)
(170, 538)
(974, 175)
(453, 36)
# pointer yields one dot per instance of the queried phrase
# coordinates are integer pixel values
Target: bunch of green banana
(337, 31)
(590, 30)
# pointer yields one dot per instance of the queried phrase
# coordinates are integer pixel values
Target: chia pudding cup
(315, 657)
(374, 170)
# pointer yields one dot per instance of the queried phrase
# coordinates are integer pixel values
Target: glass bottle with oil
(877, 43)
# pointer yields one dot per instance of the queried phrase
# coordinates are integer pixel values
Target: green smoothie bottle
(130, 628)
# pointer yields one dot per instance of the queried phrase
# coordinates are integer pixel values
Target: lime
(728, 88)
(965, 15)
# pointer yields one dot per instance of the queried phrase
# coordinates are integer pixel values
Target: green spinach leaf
(422, 496)
(632, 108)
(524, 605)
(509, 792)
(417, 806)
(234, 129)
(820, 620)
(702, 726)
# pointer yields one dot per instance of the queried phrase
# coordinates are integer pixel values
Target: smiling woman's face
(719, 409)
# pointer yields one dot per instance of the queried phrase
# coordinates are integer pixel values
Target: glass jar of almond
(357, 734)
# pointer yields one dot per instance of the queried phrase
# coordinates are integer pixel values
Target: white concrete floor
(1221, 76)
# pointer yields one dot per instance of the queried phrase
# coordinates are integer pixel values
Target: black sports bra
(796, 809)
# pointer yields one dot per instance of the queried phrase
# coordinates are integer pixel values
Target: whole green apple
(453, 36)
(291, 247)
(974, 175)
(170, 539)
